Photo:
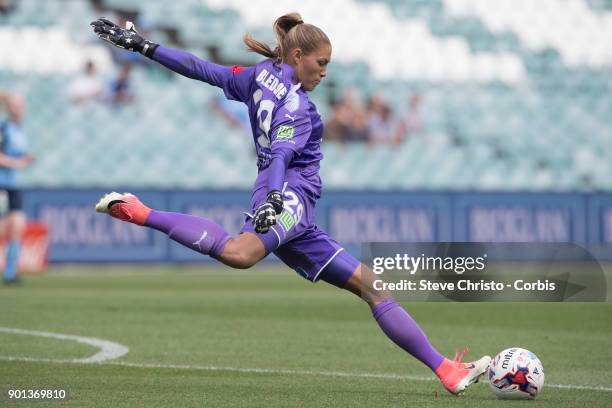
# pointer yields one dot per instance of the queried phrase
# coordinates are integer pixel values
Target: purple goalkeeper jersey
(287, 131)
(287, 128)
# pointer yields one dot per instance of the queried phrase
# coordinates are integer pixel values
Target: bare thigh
(243, 251)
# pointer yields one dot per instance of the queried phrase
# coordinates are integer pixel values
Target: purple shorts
(296, 239)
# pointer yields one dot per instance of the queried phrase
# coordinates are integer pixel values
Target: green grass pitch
(213, 337)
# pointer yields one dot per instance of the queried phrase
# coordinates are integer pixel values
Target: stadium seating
(506, 105)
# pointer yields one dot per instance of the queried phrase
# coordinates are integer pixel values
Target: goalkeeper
(287, 131)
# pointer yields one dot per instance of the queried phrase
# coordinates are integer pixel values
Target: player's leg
(315, 255)
(15, 226)
(199, 234)
(401, 328)
(15, 222)
(207, 237)
(394, 321)
(4, 227)
(4, 235)
(243, 251)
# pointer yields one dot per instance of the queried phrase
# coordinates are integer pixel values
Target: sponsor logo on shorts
(285, 132)
(286, 220)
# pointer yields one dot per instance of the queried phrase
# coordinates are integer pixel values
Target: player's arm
(234, 81)
(265, 215)
(288, 139)
(10, 162)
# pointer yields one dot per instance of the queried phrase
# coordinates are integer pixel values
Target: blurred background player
(13, 156)
(287, 130)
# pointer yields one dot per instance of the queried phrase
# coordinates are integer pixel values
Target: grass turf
(268, 318)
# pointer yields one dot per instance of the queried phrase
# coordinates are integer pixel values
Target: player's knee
(362, 284)
(377, 297)
(243, 261)
(239, 258)
(372, 296)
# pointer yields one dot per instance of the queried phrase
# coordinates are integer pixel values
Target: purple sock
(200, 234)
(406, 333)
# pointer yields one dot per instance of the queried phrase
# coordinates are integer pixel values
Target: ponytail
(259, 47)
(304, 36)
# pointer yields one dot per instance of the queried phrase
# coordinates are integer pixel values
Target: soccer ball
(516, 373)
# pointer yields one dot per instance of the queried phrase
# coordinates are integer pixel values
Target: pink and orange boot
(456, 376)
(126, 207)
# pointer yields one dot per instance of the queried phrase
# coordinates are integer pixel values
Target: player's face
(16, 107)
(310, 69)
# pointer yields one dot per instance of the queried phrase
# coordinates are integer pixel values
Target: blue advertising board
(79, 234)
(519, 218)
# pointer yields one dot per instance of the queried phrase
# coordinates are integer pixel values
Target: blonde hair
(291, 32)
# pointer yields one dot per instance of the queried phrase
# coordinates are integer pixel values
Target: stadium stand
(512, 101)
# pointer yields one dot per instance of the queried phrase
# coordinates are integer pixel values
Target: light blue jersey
(12, 143)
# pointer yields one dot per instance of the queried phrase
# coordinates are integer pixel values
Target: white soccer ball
(516, 373)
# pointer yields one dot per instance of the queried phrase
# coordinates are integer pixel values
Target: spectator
(412, 120)
(383, 126)
(6, 7)
(120, 88)
(87, 87)
(349, 121)
(13, 156)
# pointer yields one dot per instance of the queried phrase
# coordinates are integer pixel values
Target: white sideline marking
(279, 371)
(108, 349)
